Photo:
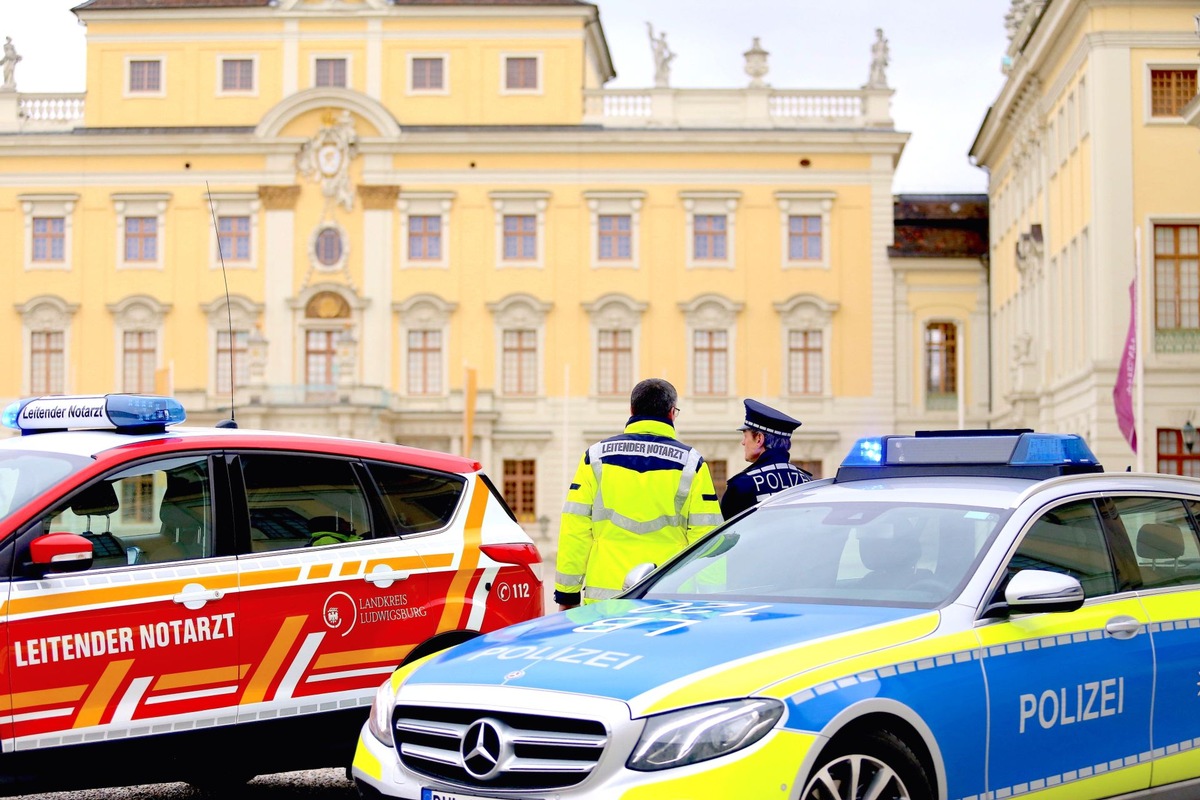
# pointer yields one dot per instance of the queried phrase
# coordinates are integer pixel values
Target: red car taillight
(515, 553)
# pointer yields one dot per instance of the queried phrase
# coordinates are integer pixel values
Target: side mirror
(1036, 591)
(637, 575)
(60, 552)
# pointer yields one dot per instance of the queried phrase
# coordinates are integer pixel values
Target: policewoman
(767, 443)
(637, 497)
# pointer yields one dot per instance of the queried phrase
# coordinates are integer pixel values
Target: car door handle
(390, 576)
(1123, 627)
(198, 597)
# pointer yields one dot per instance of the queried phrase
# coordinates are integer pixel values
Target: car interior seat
(891, 556)
(1161, 544)
(100, 500)
(182, 513)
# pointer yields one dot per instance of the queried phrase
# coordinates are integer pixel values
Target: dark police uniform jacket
(770, 473)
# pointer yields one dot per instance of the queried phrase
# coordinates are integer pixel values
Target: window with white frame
(520, 321)
(520, 487)
(328, 247)
(806, 356)
(711, 228)
(806, 322)
(236, 75)
(327, 330)
(616, 322)
(425, 328)
(522, 73)
(145, 76)
(804, 219)
(425, 229)
(236, 236)
(48, 223)
(141, 229)
(330, 71)
(1170, 88)
(229, 330)
(1177, 286)
(712, 335)
(941, 366)
(615, 223)
(138, 325)
(427, 73)
(520, 228)
(45, 326)
(710, 362)
(232, 360)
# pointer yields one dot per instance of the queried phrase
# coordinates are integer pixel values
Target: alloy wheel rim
(856, 777)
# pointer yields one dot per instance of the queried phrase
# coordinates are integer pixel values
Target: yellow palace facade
(1093, 167)
(432, 223)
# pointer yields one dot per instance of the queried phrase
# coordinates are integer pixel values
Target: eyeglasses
(677, 410)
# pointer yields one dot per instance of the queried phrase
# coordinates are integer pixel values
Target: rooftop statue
(9, 63)
(662, 58)
(879, 62)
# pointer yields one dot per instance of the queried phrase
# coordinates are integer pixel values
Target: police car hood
(636, 650)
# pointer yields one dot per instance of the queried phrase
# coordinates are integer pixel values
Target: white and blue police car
(966, 615)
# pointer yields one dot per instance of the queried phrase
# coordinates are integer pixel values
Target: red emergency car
(211, 604)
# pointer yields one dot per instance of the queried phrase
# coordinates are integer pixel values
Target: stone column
(279, 277)
(379, 209)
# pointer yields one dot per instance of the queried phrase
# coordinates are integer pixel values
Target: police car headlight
(697, 734)
(380, 721)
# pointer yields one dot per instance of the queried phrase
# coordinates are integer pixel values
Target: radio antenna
(232, 421)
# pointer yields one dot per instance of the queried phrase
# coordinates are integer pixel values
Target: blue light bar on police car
(1001, 452)
(95, 412)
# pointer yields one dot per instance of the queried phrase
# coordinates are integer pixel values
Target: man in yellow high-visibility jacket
(641, 496)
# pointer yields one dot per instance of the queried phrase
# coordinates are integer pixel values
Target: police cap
(761, 417)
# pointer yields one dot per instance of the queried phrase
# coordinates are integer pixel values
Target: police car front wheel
(874, 765)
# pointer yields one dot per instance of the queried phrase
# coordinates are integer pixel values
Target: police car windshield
(844, 553)
(25, 475)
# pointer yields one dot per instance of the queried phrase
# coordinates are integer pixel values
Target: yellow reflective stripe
(633, 526)
(198, 677)
(370, 655)
(685, 481)
(261, 679)
(365, 762)
(842, 653)
(99, 699)
(43, 697)
(455, 607)
(36, 602)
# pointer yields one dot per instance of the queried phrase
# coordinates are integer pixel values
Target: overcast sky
(945, 59)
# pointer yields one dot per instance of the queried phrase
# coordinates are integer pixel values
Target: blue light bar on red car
(127, 412)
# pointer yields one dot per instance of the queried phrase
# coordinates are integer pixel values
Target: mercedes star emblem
(483, 748)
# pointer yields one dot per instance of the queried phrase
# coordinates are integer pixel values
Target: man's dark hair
(653, 397)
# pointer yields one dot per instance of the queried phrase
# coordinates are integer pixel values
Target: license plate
(437, 794)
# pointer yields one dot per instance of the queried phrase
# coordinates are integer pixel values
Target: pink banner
(1123, 390)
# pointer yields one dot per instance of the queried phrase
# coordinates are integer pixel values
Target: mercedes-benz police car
(952, 617)
(208, 604)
